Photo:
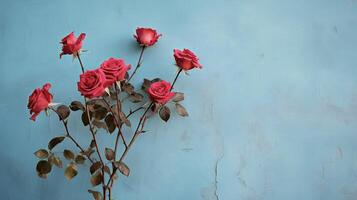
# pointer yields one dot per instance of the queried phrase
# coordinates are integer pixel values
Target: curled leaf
(181, 110)
(124, 119)
(76, 105)
(55, 141)
(164, 113)
(43, 167)
(85, 119)
(96, 195)
(63, 112)
(41, 153)
(128, 88)
(109, 154)
(122, 167)
(68, 154)
(109, 120)
(80, 159)
(179, 96)
(96, 179)
(55, 161)
(71, 171)
(94, 167)
(136, 97)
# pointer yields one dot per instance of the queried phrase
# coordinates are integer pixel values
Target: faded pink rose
(186, 59)
(92, 83)
(39, 100)
(159, 92)
(114, 70)
(146, 36)
(71, 44)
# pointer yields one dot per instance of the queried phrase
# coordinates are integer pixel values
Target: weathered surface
(273, 113)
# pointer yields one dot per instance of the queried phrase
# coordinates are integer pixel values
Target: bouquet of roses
(105, 90)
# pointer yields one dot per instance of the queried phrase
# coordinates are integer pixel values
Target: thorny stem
(116, 122)
(138, 64)
(92, 132)
(70, 136)
(136, 134)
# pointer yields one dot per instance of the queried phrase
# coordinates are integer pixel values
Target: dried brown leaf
(96, 179)
(164, 113)
(128, 88)
(80, 159)
(63, 111)
(95, 166)
(76, 105)
(41, 153)
(68, 154)
(55, 161)
(85, 119)
(124, 119)
(122, 167)
(110, 121)
(136, 97)
(181, 110)
(43, 167)
(55, 141)
(179, 96)
(109, 154)
(96, 195)
(71, 171)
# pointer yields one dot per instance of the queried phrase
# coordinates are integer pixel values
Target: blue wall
(273, 113)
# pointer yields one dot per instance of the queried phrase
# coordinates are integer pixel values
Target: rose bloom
(159, 92)
(146, 36)
(39, 100)
(92, 83)
(186, 59)
(114, 70)
(71, 44)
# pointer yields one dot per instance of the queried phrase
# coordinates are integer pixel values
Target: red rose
(39, 100)
(92, 83)
(186, 59)
(71, 44)
(146, 36)
(159, 92)
(114, 70)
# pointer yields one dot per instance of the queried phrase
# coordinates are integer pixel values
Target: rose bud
(39, 100)
(159, 92)
(92, 83)
(186, 59)
(114, 70)
(71, 44)
(146, 36)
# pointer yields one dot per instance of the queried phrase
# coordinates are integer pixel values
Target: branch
(70, 136)
(138, 64)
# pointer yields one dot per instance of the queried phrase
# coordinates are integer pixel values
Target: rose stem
(173, 83)
(138, 64)
(92, 132)
(70, 136)
(136, 133)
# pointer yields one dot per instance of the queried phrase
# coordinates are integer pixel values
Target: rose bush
(103, 109)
